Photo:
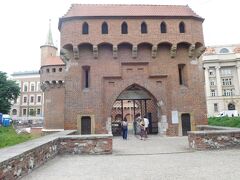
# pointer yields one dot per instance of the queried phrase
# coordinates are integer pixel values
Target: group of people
(141, 127)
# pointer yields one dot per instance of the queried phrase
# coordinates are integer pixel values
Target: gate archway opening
(132, 103)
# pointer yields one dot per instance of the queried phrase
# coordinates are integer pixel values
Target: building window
(224, 50)
(32, 99)
(228, 92)
(231, 106)
(104, 28)
(14, 112)
(60, 69)
(212, 82)
(86, 76)
(215, 107)
(39, 99)
(143, 28)
(211, 72)
(124, 28)
(25, 88)
(25, 99)
(24, 111)
(85, 28)
(32, 87)
(38, 111)
(182, 74)
(163, 27)
(227, 82)
(47, 70)
(213, 92)
(181, 27)
(32, 112)
(54, 70)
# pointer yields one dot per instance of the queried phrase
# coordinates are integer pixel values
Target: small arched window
(231, 106)
(104, 28)
(14, 112)
(163, 27)
(124, 28)
(143, 28)
(85, 28)
(224, 50)
(181, 27)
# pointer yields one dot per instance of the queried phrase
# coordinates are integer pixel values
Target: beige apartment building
(222, 78)
(29, 105)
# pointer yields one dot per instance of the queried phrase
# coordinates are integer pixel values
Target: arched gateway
(133, 102)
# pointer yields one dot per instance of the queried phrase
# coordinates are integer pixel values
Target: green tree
(9, 91)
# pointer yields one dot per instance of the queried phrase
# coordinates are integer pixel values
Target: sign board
(174, 117)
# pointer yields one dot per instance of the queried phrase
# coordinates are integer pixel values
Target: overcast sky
(24, 26)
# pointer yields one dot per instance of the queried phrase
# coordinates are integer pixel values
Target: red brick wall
(110, 76)
(54, 108)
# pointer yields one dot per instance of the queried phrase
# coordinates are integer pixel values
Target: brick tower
(124, 61)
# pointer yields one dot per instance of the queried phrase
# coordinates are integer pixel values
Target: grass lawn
(224, 121)
(9, 137)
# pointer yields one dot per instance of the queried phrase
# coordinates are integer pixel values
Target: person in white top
(146, 123)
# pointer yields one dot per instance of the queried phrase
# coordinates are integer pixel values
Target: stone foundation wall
(214, 139)
(22, 164)
(85, 145)
(18, 161)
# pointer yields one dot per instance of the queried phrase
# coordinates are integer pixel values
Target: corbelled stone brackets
(45, 86)
(191, 51)
(134, 51)
(95, 51)
(115, 51)
(76, 52)
(200, 51)
(173, 51)
(65, 55)
(154, 51)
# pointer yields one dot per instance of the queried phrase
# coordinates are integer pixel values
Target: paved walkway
(157, 158)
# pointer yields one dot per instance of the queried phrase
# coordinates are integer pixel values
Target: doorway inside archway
(132, 103)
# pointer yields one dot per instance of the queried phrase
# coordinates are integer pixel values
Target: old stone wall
(76, 144)
(18, 161)
(22, 164)
(214, 139)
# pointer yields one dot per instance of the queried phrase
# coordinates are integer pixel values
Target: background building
(222, 78)
(29, 105)
(142, 59)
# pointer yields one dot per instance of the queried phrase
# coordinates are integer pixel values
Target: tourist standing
(146, 122)
(124, 128)
(142, 129)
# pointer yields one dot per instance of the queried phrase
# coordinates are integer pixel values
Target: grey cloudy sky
(24, 26)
